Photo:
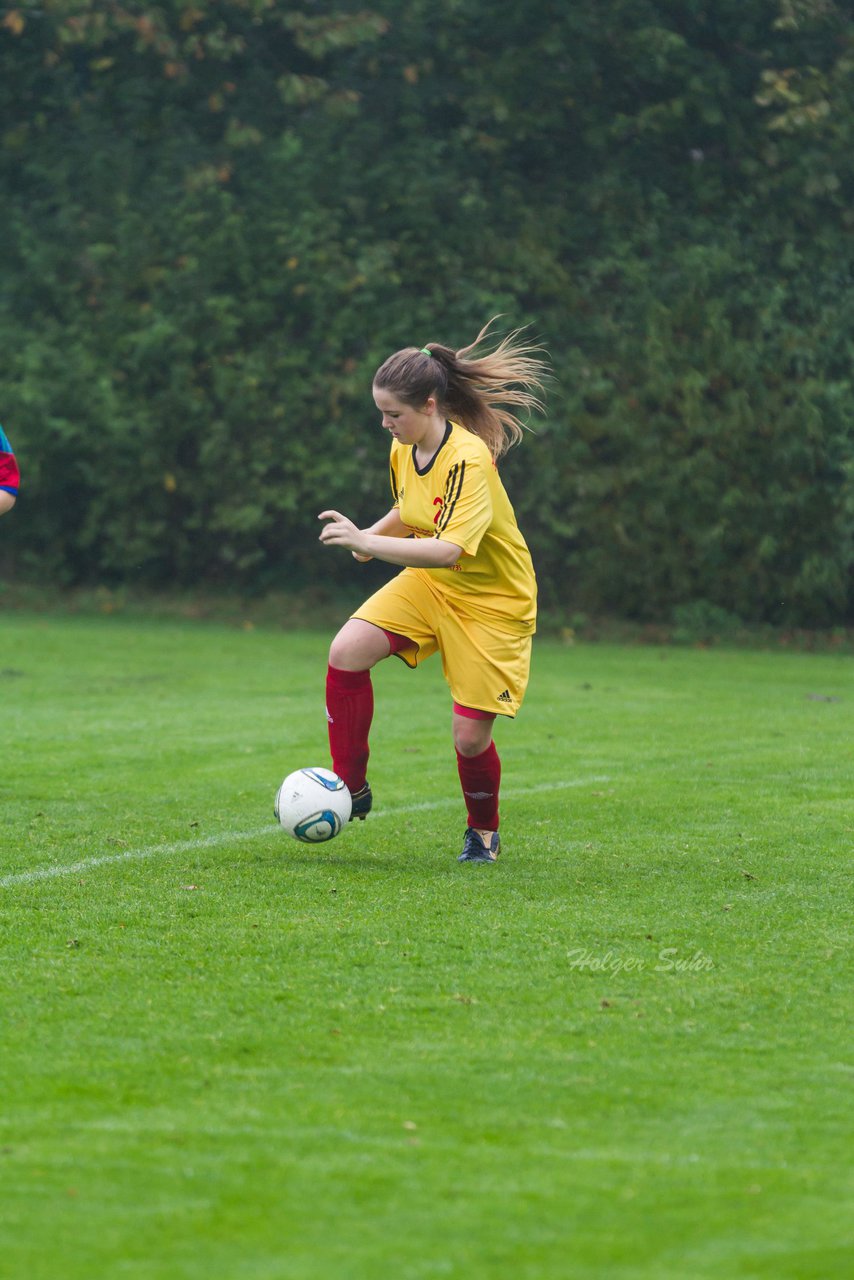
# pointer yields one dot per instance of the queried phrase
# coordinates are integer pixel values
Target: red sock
(481, 777)
(349, 710)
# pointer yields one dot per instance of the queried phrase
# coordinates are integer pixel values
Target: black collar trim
(422, 471)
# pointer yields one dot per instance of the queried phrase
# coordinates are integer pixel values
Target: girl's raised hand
(341, 532)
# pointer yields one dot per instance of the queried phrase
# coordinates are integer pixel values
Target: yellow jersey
(458, 496)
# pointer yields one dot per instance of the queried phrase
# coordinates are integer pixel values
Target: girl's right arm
(390, 526)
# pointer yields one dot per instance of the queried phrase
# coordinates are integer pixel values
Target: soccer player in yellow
(467, 587)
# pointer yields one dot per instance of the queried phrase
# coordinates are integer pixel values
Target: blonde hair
(473, 389)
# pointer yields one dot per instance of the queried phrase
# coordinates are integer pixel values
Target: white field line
(255, 833)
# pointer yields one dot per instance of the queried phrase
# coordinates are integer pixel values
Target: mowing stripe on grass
(226, 837)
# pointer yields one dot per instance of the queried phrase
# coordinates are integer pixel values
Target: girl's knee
(340, 652)
(472, 737)
(358, 646)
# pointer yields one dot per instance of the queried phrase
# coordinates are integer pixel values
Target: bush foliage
(219, 216)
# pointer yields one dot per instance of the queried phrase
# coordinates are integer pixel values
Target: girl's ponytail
(473, 389)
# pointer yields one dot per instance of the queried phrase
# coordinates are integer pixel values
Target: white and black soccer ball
(313, 805)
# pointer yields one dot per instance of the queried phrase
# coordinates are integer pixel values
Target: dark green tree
(219, 215)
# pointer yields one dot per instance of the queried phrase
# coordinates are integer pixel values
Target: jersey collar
(422, 471)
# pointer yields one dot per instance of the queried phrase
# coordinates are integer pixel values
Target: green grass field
(624, 1051)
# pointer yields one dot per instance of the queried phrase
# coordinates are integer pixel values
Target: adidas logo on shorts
(505, 696)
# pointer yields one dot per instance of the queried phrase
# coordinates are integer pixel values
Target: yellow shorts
(486, 669)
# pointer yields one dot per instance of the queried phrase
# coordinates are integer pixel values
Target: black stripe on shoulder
(453, 489)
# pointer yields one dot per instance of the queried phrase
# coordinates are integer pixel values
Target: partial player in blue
(10, 476)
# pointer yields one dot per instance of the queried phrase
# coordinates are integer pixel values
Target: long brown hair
(473, 389)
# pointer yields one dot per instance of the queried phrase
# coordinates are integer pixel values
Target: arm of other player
(422, 553)
(9, 475)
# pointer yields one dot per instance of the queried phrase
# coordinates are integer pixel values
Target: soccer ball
(313, 805)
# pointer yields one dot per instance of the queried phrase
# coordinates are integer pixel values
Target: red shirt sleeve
(10, 477)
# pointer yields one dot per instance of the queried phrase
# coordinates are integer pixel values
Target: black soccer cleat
(476, 850)
(363, 800)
